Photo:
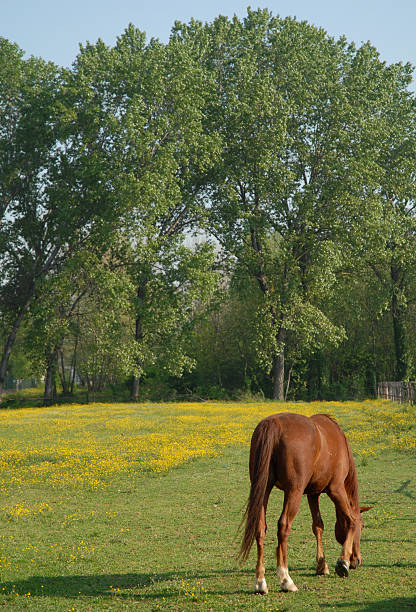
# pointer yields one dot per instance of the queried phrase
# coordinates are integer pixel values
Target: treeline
(231, 212)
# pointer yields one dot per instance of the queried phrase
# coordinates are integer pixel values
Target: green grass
(168, 542)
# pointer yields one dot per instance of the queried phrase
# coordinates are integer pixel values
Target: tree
(292, 152)
(59, 181)
(49, 321)
(394, 239)
(88, 304)
(302, 119)
(28, 105)
(150, 100)
(224, 345)
(102, 330)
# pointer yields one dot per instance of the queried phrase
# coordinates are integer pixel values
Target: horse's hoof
(342, 568)
(288, 587)
(260, 588)
(322, 569)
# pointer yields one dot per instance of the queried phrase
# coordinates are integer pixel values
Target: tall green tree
(174, 287)
(28, 137)
(150, 100)
(391, 252)
(86, 305)
(59, 179)
(302, 119)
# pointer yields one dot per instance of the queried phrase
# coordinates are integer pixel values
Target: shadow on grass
(138, 587)
(389, 541)
(310, 571)
(404, 564)
(108, 585)
(385, 605)
(403, 489)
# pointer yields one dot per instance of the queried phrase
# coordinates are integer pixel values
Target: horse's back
(334, 460)
(334, 442)
(309, 453)
(296, 446)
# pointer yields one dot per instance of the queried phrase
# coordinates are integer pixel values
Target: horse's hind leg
(290, 508)
(261, 585)
(317, 528)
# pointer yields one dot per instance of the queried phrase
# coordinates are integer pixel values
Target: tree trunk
(278, 373)
(288, 381)
(398, 316)
(278, 365)
(135, 389)
(65, 382)
(141, 294)
(10, 343)
(73, 366)
(50, 396)
(89, 386)
(399, 339)
(278, 368)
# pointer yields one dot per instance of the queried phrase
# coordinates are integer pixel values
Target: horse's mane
(328, 416)
(351, 481)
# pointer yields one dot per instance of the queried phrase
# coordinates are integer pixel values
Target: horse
(302, 455)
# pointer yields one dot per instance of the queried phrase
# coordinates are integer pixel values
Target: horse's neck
(351, 484)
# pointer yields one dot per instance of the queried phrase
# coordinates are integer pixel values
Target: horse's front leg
(290, 508)
(318, 528)
(345, 528)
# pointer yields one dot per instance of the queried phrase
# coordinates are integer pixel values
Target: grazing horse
(302, 455)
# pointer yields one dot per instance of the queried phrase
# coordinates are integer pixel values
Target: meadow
(136, 506)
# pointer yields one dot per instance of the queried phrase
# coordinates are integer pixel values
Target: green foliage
(302, 120)
(150, 101)
(223, 346)
(261, 150)
(106, 351)
(174, 285)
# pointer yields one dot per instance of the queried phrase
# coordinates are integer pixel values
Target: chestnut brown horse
(302, 455)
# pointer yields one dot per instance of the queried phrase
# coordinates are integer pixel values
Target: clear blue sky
(53, 29)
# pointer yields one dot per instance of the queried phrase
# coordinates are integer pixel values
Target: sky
(53, 29)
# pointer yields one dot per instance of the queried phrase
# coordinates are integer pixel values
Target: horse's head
(341, 529)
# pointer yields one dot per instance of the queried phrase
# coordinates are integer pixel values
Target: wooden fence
(397, 391)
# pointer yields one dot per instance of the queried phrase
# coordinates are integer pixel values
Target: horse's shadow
(108, 585)
(166, 583)
(74, 586)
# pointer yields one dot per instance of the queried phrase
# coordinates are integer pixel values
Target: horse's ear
(365, 508)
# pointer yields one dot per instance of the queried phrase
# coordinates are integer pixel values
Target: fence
(397, 391)
(18, 384)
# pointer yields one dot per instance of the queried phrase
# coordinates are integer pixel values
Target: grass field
(136, 507)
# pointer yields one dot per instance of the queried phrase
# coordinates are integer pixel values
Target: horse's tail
(263, 443)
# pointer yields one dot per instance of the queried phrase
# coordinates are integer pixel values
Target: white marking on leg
(286, 582)
(261, 587)
(342, 568)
